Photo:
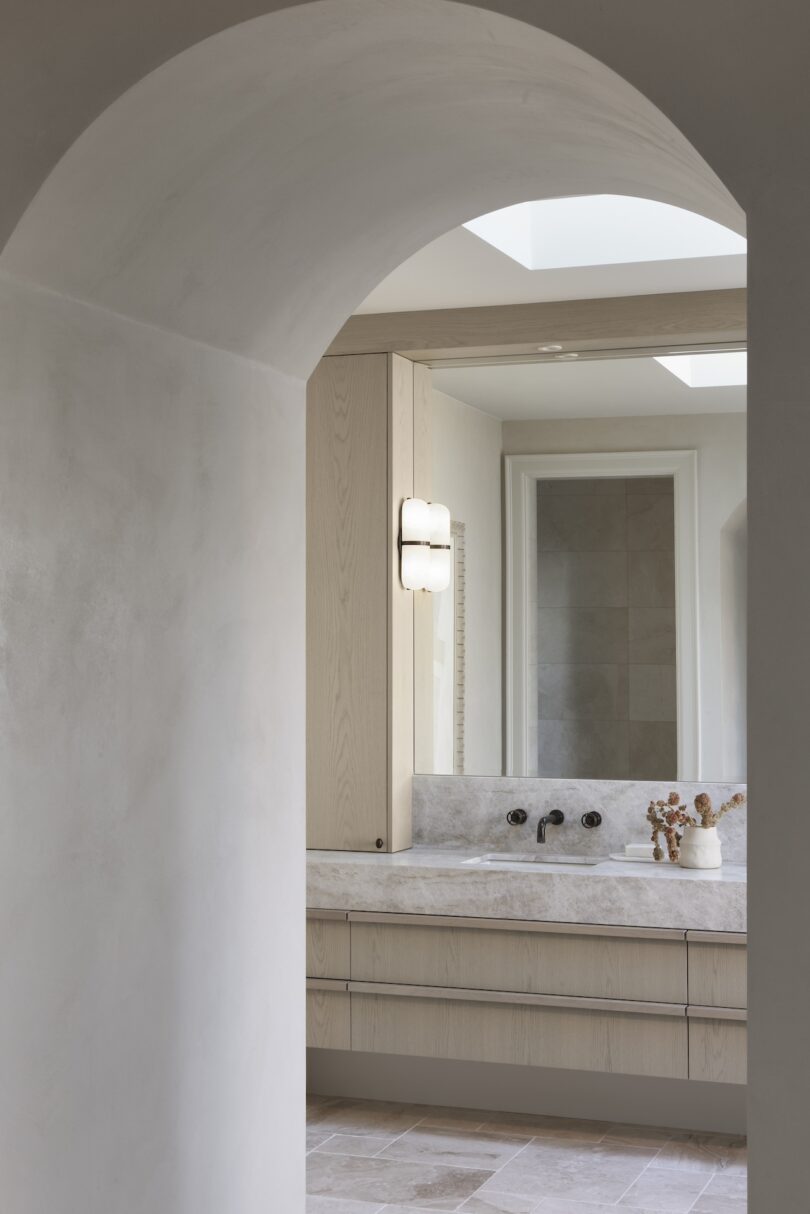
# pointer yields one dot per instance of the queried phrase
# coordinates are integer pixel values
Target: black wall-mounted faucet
(555, 818)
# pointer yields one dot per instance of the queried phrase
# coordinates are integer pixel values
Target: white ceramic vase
(700, 847)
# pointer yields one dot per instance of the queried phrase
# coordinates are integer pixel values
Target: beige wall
(720, 442)
(467, 479)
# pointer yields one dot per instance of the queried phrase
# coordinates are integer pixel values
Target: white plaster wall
(467, 479)
(151, 770)
(728, 74)
(720, 441)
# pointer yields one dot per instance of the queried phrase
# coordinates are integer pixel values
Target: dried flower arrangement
(666, 816)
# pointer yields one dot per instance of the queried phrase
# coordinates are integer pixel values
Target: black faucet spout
(555, 818)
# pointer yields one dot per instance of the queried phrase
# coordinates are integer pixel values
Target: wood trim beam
(627, 322)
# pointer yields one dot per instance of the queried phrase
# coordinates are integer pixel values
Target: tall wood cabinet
(360, 681)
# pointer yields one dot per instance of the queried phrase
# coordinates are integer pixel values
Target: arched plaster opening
(252, 191)
(246, 195)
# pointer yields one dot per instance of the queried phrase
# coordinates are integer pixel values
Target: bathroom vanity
(617, 968)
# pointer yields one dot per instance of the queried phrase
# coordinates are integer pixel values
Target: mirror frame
(521, 473)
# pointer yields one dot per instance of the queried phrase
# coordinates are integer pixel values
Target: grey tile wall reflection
(606, 641)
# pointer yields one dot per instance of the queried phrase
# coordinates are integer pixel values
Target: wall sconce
(424, 545)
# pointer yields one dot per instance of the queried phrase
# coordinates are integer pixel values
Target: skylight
(726, 369)
(602, 229)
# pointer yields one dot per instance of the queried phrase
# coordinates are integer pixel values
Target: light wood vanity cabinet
(608, 963)
(328, 944)
(718, 969)
(328, 1014)
(360, 681)
(517, 1032)
(717, 1045)
(718, 974)
(573, 996)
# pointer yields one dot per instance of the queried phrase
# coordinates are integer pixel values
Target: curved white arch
(253, 190)
(247, 194)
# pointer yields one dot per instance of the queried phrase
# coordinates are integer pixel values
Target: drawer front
(718, 974)
(528, 962)
(524, 1035)
(328, 1020)
(328, 948)
(717, 1050)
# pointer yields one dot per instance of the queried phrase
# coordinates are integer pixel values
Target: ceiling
(460, 270)
(613, 387)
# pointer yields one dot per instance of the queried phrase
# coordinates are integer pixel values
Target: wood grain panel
(398, 835)
(718, 974)
(329, 1020)
(347, 603)
(539, 962)
(522, 1035)
(578, 324)
(423, 603)
(718, 1050)
(328, 949)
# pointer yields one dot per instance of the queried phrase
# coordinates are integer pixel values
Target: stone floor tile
(704, 1153)
(378, 1118)
(315, 1137)
(392, 1181)
(728, 1184)
(664, 1189)
(455, 1148)
(452, 1119)
(540, 1126)
(499, 1203)
(331, 1205)
(354, 1144)
(580, 1171)
(638, 1135)
(560, 1205)
(720, 1205)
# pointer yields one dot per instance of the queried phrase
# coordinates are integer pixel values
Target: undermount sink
(533, 858)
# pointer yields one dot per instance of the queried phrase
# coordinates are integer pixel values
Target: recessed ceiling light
(565, 357)
(548, 349)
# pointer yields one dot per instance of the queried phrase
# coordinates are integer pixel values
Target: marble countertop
(441, 881)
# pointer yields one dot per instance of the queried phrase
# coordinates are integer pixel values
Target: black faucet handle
(516, 817)
(556, 817)
(591, 819)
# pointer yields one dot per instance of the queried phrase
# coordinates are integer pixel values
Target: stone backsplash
(471, 810)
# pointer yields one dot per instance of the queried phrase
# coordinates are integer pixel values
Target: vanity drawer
(467, 1026)
(328, 1015)
(542, 959)
(718, 969)
(328, 944)
(717, 1046)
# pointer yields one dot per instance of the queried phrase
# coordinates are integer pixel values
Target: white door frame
(521, 474)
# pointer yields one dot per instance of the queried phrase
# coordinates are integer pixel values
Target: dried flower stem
(666, 816)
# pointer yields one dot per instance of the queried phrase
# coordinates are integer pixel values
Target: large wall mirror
(594, 626)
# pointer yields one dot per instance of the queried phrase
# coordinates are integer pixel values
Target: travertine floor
(372, 1158)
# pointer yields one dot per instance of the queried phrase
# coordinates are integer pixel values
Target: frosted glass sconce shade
(414, 539)
(424, 540)
(439, 575)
